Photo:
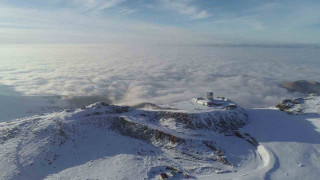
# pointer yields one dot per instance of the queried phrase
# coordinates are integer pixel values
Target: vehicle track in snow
(263, 163)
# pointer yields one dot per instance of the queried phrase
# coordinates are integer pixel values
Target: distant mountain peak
(302, 86)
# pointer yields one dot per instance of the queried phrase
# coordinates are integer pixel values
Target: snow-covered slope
(292, 139)
(104, 141)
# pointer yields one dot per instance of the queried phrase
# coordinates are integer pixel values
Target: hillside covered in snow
(103, 141)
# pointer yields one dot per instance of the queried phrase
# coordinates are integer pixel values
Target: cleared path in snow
(289, 147)
(292, 141)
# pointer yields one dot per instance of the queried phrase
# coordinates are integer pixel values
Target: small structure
(205, 101)
(163, 176)
(209, 96)
(186, 176)
(231, 106)
(172, 173)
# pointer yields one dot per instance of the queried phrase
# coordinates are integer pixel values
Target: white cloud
(184, 7)
(159, 74)
(96, 4)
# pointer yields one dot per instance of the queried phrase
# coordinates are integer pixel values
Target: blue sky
(160, 21)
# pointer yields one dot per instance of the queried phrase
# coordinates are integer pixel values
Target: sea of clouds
(83, 74)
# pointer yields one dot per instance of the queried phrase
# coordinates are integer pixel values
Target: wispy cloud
(198, 20)
(96, 4)
(126, 11)
(185, 7)
(65, 26)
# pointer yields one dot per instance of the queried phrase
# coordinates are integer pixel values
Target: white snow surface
(79, 144)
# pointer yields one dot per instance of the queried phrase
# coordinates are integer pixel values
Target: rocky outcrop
(169, 142)
(288, 104)
(136, 130)
(309, 104)
(222, 122)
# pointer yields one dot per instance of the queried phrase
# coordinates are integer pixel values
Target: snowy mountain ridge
(38, 141)
(103, 141)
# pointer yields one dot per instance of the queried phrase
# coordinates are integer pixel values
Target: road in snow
(292, 141)
(289, 146)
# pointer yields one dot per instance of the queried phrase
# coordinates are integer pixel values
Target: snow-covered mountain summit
(151, 138)
(224, 141)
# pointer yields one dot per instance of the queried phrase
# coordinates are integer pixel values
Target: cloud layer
(158, 74)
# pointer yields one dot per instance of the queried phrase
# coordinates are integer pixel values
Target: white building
(206, 101)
